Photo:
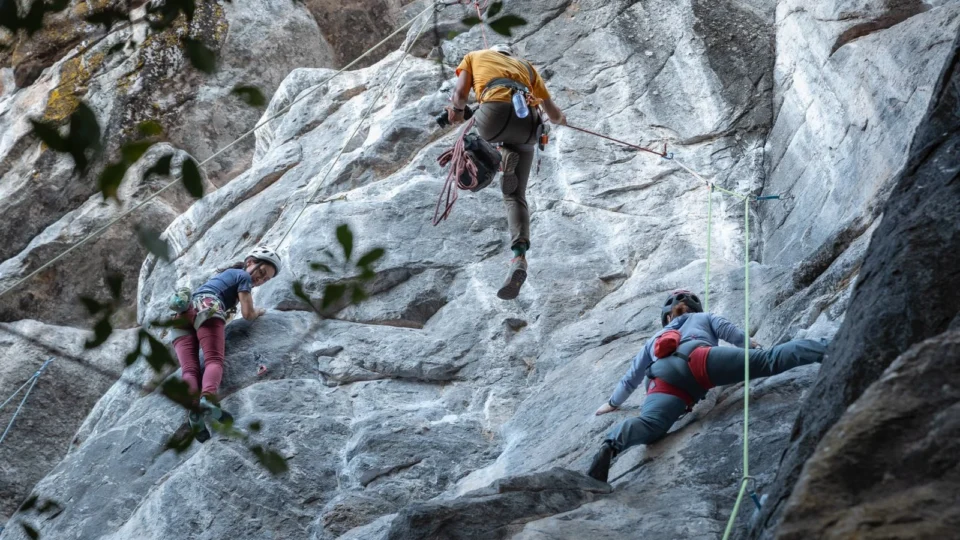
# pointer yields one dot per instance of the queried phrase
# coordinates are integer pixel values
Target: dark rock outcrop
(890, 467)
(907, 290)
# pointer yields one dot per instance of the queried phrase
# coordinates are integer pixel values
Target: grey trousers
(497, 123)
(724, 366)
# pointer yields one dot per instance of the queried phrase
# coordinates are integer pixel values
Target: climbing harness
(32, 381)
(711, 187)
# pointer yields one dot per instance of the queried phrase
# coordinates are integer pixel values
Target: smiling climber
(681, 362)
(510, 92)
(206, 314)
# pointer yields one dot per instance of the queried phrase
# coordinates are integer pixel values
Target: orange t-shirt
(486, 65)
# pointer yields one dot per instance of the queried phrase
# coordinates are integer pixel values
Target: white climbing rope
(356, 130)
(32, 381)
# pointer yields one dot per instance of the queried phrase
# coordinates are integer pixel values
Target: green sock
(519, 251)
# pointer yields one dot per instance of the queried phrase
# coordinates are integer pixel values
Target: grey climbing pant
(497, 123)
(724, 366)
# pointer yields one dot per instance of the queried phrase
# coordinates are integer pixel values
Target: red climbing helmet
(677, 296)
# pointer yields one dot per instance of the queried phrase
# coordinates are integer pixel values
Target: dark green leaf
(111, 178)
(93, 307)
(132, 357)
(150, 128)
(159, 355)
(358, 295)
(315, 266)
(504, 24)
(271, 460)
(300, 292)
(371, 257)
(181, 440)
(33, 20)
(199, 55)
(345, 237)
(177, 391)
(160, 168)
(107, 17)
(251, 95)
(471, 21)
(452, 34)
(10, 15)
(255, 426)
(84, 135)
(28, 504)
(177, 322)
(188, 7)
(115, 283)
(331, 294)
(494, 9)
(151, 240)
(50, 135)
(191, 178)
(30, 531)
(101, 333)
(133, 151)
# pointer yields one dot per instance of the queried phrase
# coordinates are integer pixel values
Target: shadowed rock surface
(434, 403)
(906, 290)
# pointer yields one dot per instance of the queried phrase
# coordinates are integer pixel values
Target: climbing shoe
(600, 467)
(199, 428)
(508, 183)
(515, 278)
(211, 410)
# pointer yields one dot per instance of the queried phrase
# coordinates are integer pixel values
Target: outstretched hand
(604, 409)
(455, 117)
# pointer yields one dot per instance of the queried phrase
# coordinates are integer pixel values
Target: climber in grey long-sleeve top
(682, 362)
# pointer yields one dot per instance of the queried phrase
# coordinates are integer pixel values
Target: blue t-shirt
(227, 285)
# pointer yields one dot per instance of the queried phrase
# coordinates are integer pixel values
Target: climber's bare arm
(554, 112)
(459, 99)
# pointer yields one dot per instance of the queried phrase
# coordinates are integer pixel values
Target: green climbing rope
(706, 281)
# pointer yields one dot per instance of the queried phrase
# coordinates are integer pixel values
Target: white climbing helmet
(502, 48)
(264, 253)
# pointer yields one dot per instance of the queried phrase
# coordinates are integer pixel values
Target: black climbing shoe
(515, 278)
(200, 432)
(509, 181)
(211, 411)
(600, 467)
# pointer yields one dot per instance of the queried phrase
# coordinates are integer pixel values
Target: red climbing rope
(459, 163)
(662, 154)
(479, 7)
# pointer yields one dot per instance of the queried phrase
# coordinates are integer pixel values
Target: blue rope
(32, 381)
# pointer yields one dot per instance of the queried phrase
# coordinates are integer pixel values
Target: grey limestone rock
(434, 408)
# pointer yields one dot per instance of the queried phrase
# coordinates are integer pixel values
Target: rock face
(905, 292)
(902, 435)
(257, 43)
(63, 396)
(435, 409)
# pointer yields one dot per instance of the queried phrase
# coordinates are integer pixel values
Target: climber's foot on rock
(600, 468)
(515, 278)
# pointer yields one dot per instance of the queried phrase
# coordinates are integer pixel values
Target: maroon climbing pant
(210, 337)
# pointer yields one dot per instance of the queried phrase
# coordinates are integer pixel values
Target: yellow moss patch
(75, 74)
